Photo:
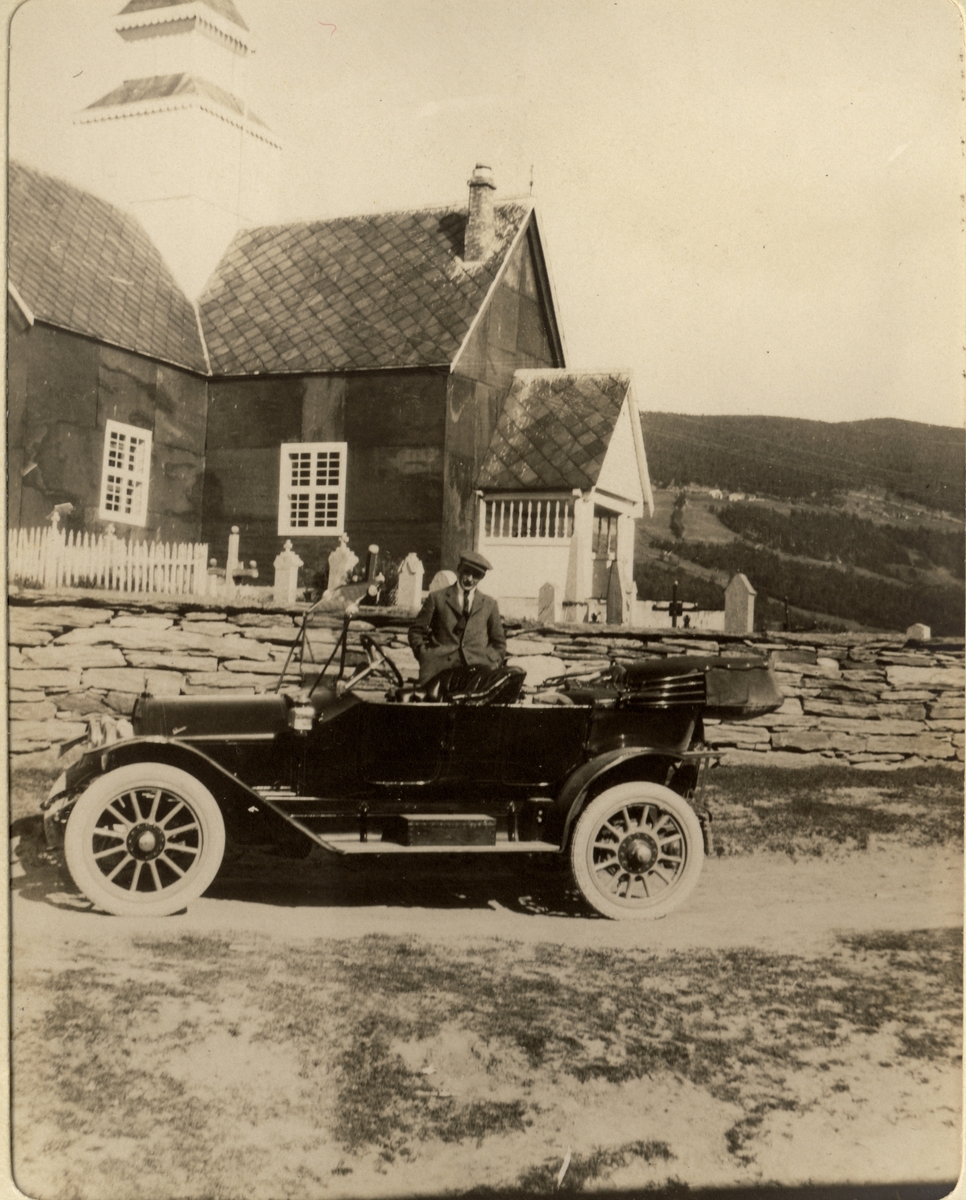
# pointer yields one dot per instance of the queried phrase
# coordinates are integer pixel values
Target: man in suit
(458, 625)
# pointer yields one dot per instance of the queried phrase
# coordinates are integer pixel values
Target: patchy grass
(28, 788)
(587, 1169)
(383, 1048)
(825, 810)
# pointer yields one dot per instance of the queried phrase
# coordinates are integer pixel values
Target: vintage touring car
(601, 771)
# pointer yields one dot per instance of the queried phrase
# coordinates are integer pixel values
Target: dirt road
(768, 902)
(857, 1112)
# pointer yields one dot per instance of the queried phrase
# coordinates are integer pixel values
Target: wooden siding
(62, 390)
(513, 332)
(248, 420)
(395, 425)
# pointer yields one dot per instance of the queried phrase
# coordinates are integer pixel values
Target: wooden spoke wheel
(144, 840)
(637, 851)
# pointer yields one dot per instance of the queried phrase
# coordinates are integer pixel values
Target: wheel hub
(145, 842)
(637, 852)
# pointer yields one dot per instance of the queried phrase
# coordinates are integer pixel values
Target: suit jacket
(441, 637)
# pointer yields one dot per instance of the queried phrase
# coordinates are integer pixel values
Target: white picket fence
(52, 558)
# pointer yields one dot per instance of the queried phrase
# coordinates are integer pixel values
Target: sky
(755, 205)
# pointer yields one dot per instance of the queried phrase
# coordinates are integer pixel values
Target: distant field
(847, 562)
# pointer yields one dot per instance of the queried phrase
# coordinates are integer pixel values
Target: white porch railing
(49, 557)
(544, 519)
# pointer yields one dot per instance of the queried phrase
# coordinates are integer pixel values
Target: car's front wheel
(144, 840)
(637, 851)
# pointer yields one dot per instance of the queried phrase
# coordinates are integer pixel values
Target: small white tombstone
(442, 579)
(548, 605)
(409, 589)
(341, 562)
(286, 585)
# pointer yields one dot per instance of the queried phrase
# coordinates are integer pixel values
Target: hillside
(793, 459)
(836, 569)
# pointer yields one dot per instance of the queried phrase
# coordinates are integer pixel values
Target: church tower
(176, 143)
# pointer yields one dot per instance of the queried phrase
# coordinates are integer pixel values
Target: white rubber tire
(144, 840)
(637, 851)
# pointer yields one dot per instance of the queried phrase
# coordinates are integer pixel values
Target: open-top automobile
(604, 771)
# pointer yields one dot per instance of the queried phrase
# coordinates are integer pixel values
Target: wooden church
(398, 377)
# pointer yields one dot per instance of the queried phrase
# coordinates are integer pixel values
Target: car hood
(189, 717)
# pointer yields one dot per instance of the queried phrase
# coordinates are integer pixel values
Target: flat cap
(476, 561)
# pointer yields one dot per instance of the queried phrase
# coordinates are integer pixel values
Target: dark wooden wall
(513, 332)
(393, 423)
(62, 389)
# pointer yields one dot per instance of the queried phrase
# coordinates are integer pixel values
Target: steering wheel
(377, 661)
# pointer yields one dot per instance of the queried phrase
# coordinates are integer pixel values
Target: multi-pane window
(311, 496)
(125, 474)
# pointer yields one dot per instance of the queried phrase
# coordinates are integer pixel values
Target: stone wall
(862, 699)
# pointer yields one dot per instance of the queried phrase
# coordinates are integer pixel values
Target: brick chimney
(480, 232)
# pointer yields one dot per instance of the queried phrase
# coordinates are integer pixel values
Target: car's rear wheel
(637, 851)
(144, 840)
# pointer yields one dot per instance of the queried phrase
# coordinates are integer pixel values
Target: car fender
(604, 770)
(248, 819)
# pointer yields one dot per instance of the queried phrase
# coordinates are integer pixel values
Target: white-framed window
(311, 493)
(125, 474)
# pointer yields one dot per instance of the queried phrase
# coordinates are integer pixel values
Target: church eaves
(164, 87)
(224, 8)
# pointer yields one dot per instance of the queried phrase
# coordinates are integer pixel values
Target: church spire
(177, 142)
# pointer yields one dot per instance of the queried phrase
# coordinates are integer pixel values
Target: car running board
(407, 833)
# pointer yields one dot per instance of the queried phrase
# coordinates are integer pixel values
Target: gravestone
(618, 596)
(739, 606)
(442, 579)
(409, 589)
(341, 562)
(286, 585)
(548, 605)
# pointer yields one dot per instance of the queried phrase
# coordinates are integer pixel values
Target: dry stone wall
(866, 700)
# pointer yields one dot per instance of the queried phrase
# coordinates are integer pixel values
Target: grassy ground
(387, 1051)
(830, 810)
(246, 1064)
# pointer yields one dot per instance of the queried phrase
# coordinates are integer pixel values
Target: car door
(541, 745)
(404, 743)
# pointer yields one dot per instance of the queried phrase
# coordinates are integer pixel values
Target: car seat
(468, 685)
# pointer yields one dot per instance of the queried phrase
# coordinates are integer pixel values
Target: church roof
(554, 430)
(224, 8)
(82, 264)
(352, 293)
(162, 87)
(356, 293)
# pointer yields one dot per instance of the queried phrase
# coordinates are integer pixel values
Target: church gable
(517, 326)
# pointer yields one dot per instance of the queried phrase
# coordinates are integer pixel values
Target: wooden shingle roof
(82, 264)
(554, 430)
(357, 293)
